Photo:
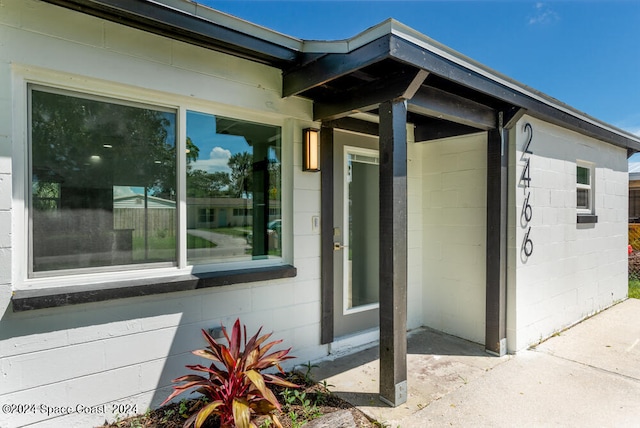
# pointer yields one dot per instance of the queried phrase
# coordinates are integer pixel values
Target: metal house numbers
(527, 210)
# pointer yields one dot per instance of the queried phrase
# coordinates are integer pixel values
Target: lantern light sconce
(310, 150)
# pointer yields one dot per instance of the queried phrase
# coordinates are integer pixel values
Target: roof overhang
(458, 89)
(447, 93)
(195, 24)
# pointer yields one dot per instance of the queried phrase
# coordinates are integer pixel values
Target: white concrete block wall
(127, 351)
(454, 236)
(5, 168)
(575, 269)
(415, 249)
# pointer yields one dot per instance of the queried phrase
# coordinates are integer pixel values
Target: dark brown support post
(326, 227)
(393, 252)
(497, 170)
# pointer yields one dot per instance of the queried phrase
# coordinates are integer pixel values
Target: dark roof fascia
(549, 110)
(463, 71)
(159, 18)
(315, 70)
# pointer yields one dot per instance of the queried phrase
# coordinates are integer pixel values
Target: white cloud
(543, 14)
(218, 161)
(220, 153)
(121, 191)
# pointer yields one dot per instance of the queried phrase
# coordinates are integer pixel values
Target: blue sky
(215, 149)
(584, 53)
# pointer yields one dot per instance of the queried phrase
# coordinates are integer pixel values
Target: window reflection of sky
(215, 149)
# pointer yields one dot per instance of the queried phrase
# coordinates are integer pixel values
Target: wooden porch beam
(429, 101)
(433, 131)
(353, 125)
(393, 252)
(368, 96)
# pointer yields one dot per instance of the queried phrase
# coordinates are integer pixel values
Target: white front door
(356, 240)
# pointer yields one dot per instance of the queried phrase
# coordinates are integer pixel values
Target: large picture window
(104, 194)
(103, 182)
(233, 172)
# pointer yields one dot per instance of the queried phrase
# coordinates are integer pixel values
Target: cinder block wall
(415, 225)
(454, 182)
(575, 269)
(127, 351)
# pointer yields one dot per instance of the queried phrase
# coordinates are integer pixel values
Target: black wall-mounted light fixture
(310, 150)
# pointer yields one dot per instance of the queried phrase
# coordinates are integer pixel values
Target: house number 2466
(527, 209)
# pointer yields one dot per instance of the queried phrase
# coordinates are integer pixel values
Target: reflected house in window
(136, 214)
(233, 189)
(85, 151)
(225, 212)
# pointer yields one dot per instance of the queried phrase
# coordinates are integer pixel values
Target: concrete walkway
(587, 376)
(226, 245)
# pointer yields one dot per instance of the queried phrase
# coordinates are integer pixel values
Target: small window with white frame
(584, 188)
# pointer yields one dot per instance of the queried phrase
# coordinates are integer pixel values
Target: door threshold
(344, 345)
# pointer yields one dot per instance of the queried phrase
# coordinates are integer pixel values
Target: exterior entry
(355, 234)
(153, 184)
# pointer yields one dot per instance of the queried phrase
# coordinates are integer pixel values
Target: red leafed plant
(236, 388)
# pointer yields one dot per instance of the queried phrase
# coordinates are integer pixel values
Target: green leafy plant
(323, 393)
(235, 387)
(167, 415)
(309, 410)
(183, 410)
(307, 375)
(288, 397)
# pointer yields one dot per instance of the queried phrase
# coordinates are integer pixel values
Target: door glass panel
(362, 224)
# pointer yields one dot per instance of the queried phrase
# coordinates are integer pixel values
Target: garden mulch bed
(293, 414)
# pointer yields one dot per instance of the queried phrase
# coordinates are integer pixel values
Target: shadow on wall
(131, 349)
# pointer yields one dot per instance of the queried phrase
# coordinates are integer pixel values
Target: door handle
(337, 246)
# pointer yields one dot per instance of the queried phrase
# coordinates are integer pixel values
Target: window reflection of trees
(244, 191)
(82, 151)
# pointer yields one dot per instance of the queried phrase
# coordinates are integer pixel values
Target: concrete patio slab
(588, 375)
(437, 365)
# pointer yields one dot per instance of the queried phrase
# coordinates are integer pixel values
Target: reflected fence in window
(99, 167)
(103, 189)
(233, 189)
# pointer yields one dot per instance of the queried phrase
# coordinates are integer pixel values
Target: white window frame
(590, 209)
(28, 195)
(24, 76)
